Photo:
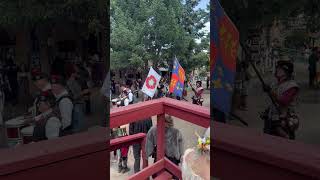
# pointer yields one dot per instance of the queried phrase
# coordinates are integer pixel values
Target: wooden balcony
(238, 153)
(243, 153)
(188, 112)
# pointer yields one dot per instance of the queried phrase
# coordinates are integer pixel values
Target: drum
(13, 128)
(13, 143)
(27, 134)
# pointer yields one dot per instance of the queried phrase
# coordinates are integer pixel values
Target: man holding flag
(177, 79)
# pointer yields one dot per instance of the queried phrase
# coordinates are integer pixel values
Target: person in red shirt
(198, 91)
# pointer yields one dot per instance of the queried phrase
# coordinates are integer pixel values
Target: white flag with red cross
(151, 83)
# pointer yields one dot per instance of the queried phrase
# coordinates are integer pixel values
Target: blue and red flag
(224, 43)
(177, 79)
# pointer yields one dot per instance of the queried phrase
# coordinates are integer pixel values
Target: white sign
(151, 83)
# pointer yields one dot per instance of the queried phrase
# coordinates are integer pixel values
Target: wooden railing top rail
(282, 153)
(184, 110)
(162, 164)
(47, 152)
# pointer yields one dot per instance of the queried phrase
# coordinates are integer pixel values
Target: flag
(151, 83)
(177, 79)
(224, 43)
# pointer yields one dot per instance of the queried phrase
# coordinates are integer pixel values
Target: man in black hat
(284, 120)
(41, 81)
(64, 103)
(48, 126)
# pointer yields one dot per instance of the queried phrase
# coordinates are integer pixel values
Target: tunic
(173, 144)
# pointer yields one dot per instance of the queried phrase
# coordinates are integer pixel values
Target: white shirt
(126, 102)
(65, 107)
(130, 96)
(53, 128)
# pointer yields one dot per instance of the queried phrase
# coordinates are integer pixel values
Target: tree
(156, 31)
(24, 16)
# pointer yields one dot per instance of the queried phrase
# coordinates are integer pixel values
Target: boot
(125, 165)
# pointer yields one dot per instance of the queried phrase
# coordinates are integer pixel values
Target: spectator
(173, 142)
(63, 102)
(78, 101)
(142, 126)
(12, 75)
(313, 67)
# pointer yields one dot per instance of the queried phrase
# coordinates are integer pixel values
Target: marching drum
(13, 128)
(13, 143)
(27, 134)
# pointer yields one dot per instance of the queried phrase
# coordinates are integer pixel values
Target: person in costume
(282, 114)
(196, 161)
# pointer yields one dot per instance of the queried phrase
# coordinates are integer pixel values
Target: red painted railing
(79, 156)
(242, 154)
(188, 112)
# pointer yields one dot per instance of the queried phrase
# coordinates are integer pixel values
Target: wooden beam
(171, 167)
(256, 155)
(139, 111)
(149, 171)
(67, 155)
(126, 141)
(160, 136)
(195, 114)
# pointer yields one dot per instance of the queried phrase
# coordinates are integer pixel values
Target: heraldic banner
(224, 44)
(151, 83)
(177, 79)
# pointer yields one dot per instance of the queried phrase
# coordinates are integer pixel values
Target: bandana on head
(56, 79)
(37, 74)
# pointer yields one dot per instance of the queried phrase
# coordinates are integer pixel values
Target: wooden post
(144, 157)
(160, 136)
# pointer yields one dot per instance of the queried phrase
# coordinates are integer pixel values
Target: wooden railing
(242, 154)
(238, 153)
(79, 156)
(188, 112)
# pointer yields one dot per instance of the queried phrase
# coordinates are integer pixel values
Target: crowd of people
(55, 103)
(174, 150)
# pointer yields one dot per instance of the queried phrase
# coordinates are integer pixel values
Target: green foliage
(18, 13)
(157, 31)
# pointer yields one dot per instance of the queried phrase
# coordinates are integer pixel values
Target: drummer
(124, 98)
(41, 81)
(49, 125)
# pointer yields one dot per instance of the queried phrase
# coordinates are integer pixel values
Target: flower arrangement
(203, 145)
